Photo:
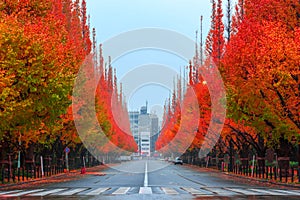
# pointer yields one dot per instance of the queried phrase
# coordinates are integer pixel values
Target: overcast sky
(113, 17)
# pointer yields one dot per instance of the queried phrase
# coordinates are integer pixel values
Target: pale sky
(113, 17)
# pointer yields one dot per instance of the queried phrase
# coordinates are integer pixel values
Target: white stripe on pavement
(146, 175)
(121, 190)
(221, 191)
(97, 191)
(71, 192)
(290, 192)
(148, 190)
(7, 192)
(244, 191)
(194, 191)
(47, 192)
(267, 191)
(23, 193)
(145, 190)
(169, 190)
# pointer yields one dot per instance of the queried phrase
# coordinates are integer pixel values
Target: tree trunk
(261, 152)
(244, 155)
(230, 156)
(283, 155)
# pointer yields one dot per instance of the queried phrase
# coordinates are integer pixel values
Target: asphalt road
(151, 179)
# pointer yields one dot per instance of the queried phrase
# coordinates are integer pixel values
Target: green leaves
(39, 59)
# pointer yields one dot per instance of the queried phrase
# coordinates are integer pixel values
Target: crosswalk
(203, 191)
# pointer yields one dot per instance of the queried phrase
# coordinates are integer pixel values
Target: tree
(215, 39)
(229, 20)
(261, 71)
(39, 60)
(209, 38)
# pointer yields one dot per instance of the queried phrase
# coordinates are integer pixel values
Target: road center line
(145, 189)
(146, 175)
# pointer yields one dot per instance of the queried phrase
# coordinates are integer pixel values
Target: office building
(153, 131)
(134, 121)
(144, 127)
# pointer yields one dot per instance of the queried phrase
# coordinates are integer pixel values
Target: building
(144, 128)
(145, 143)
(134, 127)
(144, 131)
(144, 110)
(153, 131)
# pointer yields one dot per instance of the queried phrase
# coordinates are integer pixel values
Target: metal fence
(12, 174)
(288, 175)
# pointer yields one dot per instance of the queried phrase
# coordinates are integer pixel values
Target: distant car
(178, 161)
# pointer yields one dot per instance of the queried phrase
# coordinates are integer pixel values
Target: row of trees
(257, 53)
(43, 45)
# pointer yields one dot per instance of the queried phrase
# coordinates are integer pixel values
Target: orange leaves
(215, 39)
(39, 58)
(112, 116)
(261, 68)
(189, 127)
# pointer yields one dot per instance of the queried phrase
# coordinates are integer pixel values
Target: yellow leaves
(5, 79)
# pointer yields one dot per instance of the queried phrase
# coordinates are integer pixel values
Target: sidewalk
(63, 177)
(245, 179)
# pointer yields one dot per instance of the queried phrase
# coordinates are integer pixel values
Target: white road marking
(194, 191)
(221, 191)
(7, 192)
(145, 190)
(22, 193)
(97, 191)
(169, 190)
(146, 175)
(121, 190)
(148, 190)
(47, 192)
(288, 192)
(244, 191)
(267, 191)
(71, 192)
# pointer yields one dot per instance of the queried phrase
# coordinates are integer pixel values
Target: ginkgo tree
(43, 46)
(39, 58)
(263, 76)
(260, 68)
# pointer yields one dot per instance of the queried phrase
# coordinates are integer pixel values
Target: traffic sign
(67, 150)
